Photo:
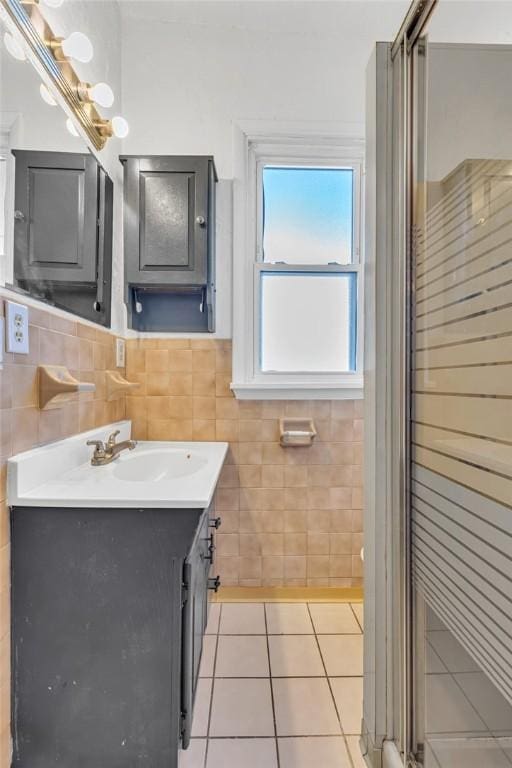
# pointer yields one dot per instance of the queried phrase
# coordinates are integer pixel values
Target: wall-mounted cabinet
(63, 231)
(169, 242)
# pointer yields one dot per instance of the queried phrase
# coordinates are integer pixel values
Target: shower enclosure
(446, 208)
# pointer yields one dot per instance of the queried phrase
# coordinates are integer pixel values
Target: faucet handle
(98, 446)
(112, 439)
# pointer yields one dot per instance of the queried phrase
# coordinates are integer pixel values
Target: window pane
(307, 215)
(308, 322)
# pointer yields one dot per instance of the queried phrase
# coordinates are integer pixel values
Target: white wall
(191, 70)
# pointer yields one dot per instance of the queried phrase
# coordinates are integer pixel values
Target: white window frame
(252, 153)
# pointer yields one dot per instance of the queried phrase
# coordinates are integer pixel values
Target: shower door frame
(408, 57)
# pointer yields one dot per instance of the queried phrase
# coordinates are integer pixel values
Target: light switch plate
(120, 353)
(16, 318)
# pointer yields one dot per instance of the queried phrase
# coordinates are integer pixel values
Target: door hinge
(183, 721)
(184, 593)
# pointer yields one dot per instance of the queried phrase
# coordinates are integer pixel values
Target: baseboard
(289, 594)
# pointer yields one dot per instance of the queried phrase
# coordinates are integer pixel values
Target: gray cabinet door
(166, 220)
(56, 209)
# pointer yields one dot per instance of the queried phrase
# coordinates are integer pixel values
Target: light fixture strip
(31, 24)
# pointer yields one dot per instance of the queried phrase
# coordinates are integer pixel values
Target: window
(298, 293)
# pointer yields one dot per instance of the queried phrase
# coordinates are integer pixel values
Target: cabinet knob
(201, 221)
(19, 215)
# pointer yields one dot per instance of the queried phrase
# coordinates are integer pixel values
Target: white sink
(157, 464)
(153, 474)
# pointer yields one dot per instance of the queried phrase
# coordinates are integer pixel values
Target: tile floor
(280, 687)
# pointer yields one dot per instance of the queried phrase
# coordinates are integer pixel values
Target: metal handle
(214, 583)
(215, 522)
(200, 221)
(112, 438)
(211, 549)
(97, 443)
(99, 448)
(19, 215)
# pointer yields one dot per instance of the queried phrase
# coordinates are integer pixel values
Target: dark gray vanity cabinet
(109, 609)
(169, 231)
(63, 231)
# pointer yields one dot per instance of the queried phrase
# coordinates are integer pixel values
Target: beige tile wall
(88, 352)
(289, 516)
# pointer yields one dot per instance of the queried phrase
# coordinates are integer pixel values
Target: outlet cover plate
(16, 319)
(120, 353)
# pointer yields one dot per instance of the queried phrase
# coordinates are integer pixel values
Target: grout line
(357, 620)
(212, 689)
(343, 734)
(271, 689)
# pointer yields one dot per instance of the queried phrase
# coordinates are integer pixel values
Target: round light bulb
(120, 127)
(72, 128)
(52, 3)
(14, 47)
(102, 94)
(46, 95)
(78, 46)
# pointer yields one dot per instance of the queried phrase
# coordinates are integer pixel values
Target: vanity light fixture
(117, 127)
(72, 128)
(101, 94)
(120, 127)
(47, 96)
(14, 47)
(76, 46)
(29, 35)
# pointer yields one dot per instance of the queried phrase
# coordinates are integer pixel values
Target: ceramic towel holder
(296, 433)
(117, 385)
(57, 386)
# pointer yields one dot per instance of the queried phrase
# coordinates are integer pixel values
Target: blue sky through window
(307, 215)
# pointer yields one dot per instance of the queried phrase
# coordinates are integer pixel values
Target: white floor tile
(208, 656)
(213, 619)
(202, 707)
(469, 753)
(348, 694)
(342, 654)
(242, 753)
(288, 619)
(304, 707)
(333, 618)
(242, 619)
(492, 707)
(434, 665)
(313, 752)
(355, 752)
(358, 609)
(451, 652)
(193, 757)
(242, 656)
(295, 656)
(447, 708)
(241, 708)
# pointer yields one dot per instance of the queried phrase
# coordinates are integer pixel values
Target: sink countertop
(154, 474)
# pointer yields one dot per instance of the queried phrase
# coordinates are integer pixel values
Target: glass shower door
(461, 410)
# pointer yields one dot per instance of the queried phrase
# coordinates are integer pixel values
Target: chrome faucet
(104, 453)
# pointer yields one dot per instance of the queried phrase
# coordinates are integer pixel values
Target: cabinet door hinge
(183, 722)
(184, 593)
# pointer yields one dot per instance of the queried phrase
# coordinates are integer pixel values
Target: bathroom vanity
(111, 571)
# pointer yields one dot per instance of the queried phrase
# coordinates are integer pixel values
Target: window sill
(351, 390)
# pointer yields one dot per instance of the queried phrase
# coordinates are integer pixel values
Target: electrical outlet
(120, 353)
(16, 317)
